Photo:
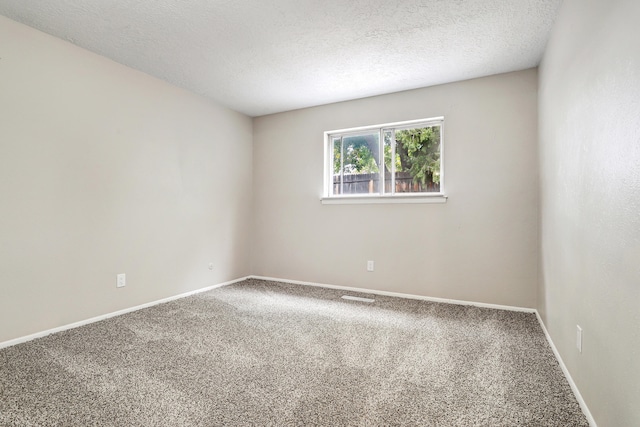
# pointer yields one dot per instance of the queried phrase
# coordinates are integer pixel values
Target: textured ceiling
(266, 56)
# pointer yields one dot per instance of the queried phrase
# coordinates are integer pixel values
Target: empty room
(320, 213)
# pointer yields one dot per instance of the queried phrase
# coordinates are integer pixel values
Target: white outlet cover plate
(579, 338)
(370, 265)
(121, 280)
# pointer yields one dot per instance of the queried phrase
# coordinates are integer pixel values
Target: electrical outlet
(121, 280)
(369, 265)
(579, 338)
(210, 266)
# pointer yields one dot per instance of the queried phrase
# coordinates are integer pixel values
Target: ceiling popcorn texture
(268, 56)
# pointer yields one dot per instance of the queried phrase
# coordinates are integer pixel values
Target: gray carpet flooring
(273, 354)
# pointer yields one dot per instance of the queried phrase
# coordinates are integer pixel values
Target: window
(385, 162)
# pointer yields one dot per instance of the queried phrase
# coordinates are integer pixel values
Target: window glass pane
(337, 166)
(361, 156)
(418, 160)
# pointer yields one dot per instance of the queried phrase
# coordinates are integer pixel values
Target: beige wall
(105, 170)
(479, 246)
(590, 201)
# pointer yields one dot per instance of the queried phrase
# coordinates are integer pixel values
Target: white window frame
(393, 197)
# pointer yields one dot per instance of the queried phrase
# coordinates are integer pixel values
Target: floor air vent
(352, 298)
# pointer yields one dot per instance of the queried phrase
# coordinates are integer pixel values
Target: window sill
(356, 200)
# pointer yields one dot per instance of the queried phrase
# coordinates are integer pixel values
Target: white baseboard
(113, 314)
(565, 371)
(399, 294)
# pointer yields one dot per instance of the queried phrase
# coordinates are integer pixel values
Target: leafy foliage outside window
(418, 152)
(358, 155)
